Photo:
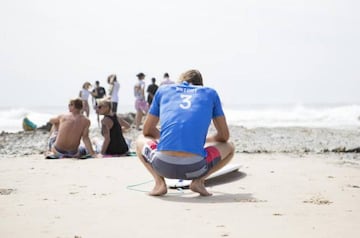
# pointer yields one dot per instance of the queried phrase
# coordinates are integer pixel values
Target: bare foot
(159, 190)
(197, 185)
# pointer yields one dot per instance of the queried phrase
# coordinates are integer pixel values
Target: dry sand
(273, 195)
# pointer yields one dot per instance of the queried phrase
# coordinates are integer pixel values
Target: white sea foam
(344, 116)
(340, 116)
(11, 118)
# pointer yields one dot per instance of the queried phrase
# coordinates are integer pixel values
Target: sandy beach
(273, 195)
(302, 191)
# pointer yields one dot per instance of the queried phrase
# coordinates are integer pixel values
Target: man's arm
(86, 139)
(222, 131)
(105, 130)
(150, 129)
(55, 120)
(125, 126)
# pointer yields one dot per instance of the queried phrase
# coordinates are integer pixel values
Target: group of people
(98, 93)
(75, 124)
(70, 128)
(142, 105)
(180, 149)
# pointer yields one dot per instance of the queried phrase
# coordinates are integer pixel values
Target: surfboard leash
(133, 187)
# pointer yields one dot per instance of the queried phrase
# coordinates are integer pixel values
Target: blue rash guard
(185, 113)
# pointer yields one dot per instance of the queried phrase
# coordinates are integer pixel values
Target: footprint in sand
(6, 191)
(318, 200)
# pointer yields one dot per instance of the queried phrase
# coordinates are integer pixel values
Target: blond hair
(192, 76)
(104, 102)
(86, 85)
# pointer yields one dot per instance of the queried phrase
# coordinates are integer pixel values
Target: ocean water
(346, 116)
(11, 118)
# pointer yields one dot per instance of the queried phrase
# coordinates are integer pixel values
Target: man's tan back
(71, 128)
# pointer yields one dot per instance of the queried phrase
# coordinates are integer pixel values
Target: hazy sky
(262, 51)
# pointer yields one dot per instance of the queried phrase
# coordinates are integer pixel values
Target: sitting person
(112, 128)
(68, 130)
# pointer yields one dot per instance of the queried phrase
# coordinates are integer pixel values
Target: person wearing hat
(141, 105)
(182, 148)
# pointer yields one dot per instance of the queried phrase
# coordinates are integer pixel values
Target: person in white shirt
(113, 92)
(84, 95)
(141, 105)
(166, 80)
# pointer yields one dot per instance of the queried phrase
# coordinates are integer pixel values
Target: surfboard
(181, 183)
(28, 125)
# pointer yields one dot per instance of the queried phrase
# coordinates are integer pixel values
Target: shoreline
(298, 140)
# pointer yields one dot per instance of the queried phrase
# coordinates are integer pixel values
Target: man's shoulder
(153, 86)
(85, 121)
(78, 117)
(208, 89)
(65, 115)
(85, 118)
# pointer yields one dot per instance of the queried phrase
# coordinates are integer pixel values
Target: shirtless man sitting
(70, 128)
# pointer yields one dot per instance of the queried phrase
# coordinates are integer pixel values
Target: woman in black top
(112, 127)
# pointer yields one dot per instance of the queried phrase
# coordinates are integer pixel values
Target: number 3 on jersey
(186, 101)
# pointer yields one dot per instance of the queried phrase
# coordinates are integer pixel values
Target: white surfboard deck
(180, 183)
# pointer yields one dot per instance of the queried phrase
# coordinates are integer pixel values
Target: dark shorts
(51, 142)
(180, 167)
(114, 107)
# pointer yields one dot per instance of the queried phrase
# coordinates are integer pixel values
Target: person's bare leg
(138, 119)
(160, 187)
(227, 152)
(98, 119)
(198, 186)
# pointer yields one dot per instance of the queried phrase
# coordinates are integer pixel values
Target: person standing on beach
(140, 103)
(98, 93)
(151, 90)
(113, 92)
(70, 128)
(181, 149)
(84, 95)
(166, 80)
(112, 127)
